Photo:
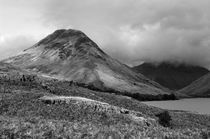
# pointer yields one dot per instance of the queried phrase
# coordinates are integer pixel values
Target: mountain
(71, 55)
(199, 88)
(172, 76)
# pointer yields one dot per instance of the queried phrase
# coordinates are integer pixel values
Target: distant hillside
(199, 88)
(170, 75)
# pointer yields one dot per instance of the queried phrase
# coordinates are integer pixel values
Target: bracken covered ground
(34, 107)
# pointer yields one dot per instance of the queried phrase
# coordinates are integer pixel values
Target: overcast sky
(129, 30)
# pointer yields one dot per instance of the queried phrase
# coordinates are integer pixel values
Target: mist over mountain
(171, 75)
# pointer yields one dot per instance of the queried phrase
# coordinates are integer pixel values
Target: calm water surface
(198, 105)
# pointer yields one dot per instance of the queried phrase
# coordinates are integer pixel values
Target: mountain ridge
(198, 88)
(173, 76)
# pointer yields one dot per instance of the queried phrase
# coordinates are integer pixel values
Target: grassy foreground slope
(24, 114)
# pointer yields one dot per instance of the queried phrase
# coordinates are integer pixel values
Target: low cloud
(11, 45)
(140, 30)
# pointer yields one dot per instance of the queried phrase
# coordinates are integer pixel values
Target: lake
(198, 105)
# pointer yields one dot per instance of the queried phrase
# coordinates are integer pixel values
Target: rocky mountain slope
(71, 55)
(199, 88)
(8, 68)
(171, 75)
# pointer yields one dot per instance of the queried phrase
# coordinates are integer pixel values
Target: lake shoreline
(194, 105)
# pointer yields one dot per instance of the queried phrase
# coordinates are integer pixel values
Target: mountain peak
(67, 42)
(63, 35)
(69, 32)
